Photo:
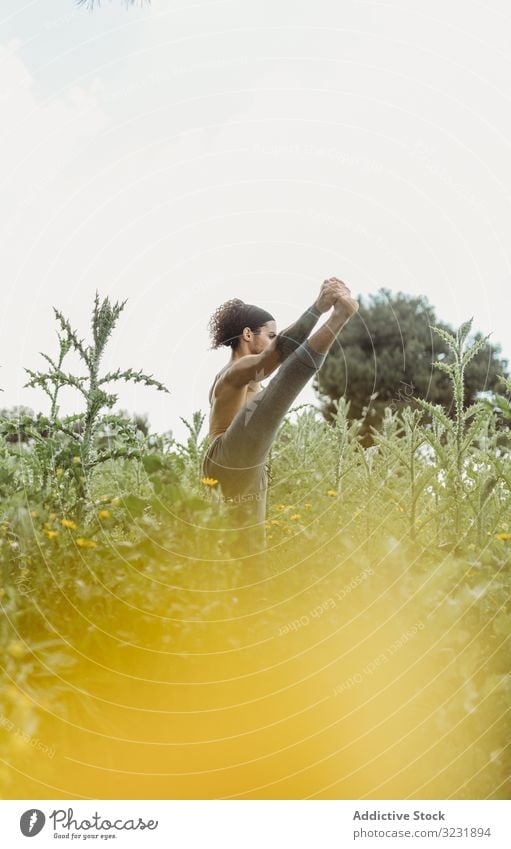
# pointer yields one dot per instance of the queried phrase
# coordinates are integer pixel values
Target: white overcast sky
(181, 153)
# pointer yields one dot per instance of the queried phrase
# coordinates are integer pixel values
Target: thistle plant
(345, 434)
(193, 450)
(302, 457)
(56, 379)
(400, 442)
(484, 488)
(369, 457)
(467, 424)
(82, 429)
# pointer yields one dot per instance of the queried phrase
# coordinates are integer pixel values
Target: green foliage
(192, 452)
(385, 355)
(94, 436)
(500, 403)
(115, 554)
(468, 425)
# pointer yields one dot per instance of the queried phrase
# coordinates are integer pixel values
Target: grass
(364, 655)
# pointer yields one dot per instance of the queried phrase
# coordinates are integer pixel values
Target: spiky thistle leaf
(464, 330)
(446, 336)
(134, 377)
(72, 337)
(474, 349)
(104, 319)
(57, 377)
(447, 368)
(480, 416)
(436, 411)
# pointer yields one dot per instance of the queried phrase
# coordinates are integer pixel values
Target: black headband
(253, 317)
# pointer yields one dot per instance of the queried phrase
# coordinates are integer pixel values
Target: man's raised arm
(253, 366)
(293, 336)
(258, 366)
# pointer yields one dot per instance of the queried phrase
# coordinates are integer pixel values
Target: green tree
(385, 355)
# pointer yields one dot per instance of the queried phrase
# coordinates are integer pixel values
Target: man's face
(262, 337)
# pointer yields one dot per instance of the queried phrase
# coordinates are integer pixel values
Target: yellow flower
(209, 481)
(85, 543)
(503, 536)
(332, 493)
(68, 523)
(276, 522)
(307, 505)
(16, 648)
(104, 514)
(280, 508)
(76, 461)
(295, 518)
(33, 514)
(51, 534)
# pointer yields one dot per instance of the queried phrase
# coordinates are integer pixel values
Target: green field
(364, 655)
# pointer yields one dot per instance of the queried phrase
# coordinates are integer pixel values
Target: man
(244, 418)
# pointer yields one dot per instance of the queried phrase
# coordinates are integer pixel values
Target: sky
(177, 154)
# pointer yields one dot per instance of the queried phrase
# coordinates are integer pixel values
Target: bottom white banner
(251, 824)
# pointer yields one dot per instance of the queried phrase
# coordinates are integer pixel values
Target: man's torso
(226, 400)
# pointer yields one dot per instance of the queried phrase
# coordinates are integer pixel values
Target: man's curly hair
(229, 320)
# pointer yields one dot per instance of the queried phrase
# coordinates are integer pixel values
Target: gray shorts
(238, 457)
